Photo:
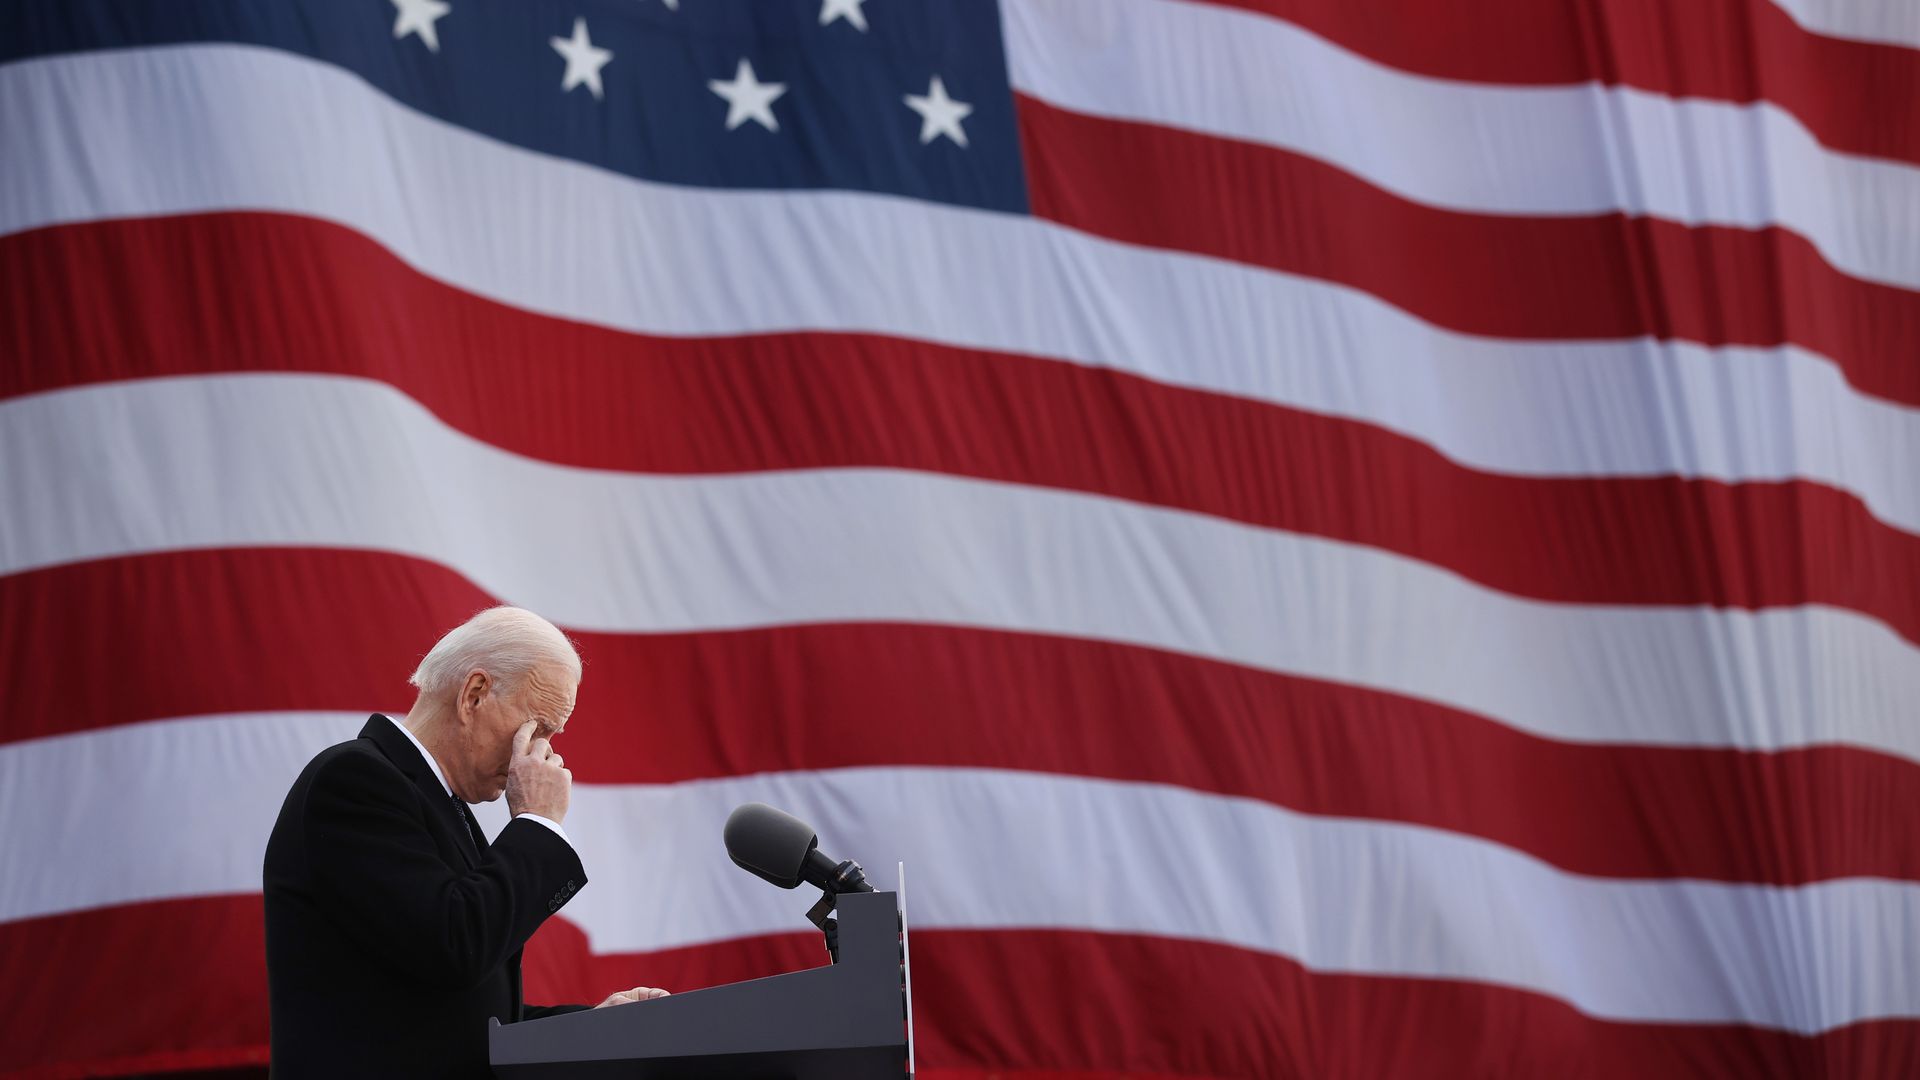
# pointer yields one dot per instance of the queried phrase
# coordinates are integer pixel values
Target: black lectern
(846, 1021)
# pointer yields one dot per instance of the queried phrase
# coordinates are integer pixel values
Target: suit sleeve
(375, 864)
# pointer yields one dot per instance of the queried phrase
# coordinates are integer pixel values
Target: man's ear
(471, 693)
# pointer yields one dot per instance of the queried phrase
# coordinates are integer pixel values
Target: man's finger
(557, 761)
(523, 736)
(655, 992)
(539, 750)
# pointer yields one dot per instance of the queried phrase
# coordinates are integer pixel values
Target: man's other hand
(627, 997)
(537, 778)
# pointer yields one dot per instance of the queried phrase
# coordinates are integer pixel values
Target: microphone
(782, 849)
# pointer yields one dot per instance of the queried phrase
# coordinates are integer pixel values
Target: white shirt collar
(418, 745)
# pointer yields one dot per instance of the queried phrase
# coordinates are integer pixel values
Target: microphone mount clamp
(847, 877)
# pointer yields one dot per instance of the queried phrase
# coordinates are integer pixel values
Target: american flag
(1335, 539)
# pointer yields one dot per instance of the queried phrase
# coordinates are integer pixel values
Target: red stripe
(1851, 94)
(160, 985)
(212, 632)
(188, 977)
(245, 292)
(1598, 276)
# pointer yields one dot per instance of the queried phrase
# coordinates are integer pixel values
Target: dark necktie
(473, 833)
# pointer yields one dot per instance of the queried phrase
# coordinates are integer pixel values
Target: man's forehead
(555, 687)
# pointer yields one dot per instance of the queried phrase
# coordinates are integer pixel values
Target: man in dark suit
(394, 929)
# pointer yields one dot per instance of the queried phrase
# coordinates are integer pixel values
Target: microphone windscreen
(769, 843)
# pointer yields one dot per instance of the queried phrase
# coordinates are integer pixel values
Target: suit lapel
(399, 749)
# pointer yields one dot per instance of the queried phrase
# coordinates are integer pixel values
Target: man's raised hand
(537, 778)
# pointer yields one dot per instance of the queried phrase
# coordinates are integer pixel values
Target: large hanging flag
(1334, 539)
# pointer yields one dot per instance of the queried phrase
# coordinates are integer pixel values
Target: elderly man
(394, 928)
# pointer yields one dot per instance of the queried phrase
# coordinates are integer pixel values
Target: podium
(845, 1021)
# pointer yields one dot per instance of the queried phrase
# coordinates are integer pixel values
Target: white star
(940, 114)
(847, 9)
(417, 17)
(583, 60)
(748, 98)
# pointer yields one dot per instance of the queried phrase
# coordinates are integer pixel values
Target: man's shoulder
(356, 762)
(354, 771)
(345, 774)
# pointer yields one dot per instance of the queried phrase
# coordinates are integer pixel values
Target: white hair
(505, 642)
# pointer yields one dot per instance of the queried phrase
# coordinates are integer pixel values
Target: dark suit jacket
(391, 935)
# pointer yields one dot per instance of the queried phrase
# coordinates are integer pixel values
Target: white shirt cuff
(549, 823)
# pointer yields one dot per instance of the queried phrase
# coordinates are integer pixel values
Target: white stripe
(139, 132)
(1588, 149)
(149, 811)
(1888, 22)
(995, 849)
(239, 461)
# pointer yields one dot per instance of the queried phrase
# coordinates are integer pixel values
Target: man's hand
(537, 779)
(638, 993)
